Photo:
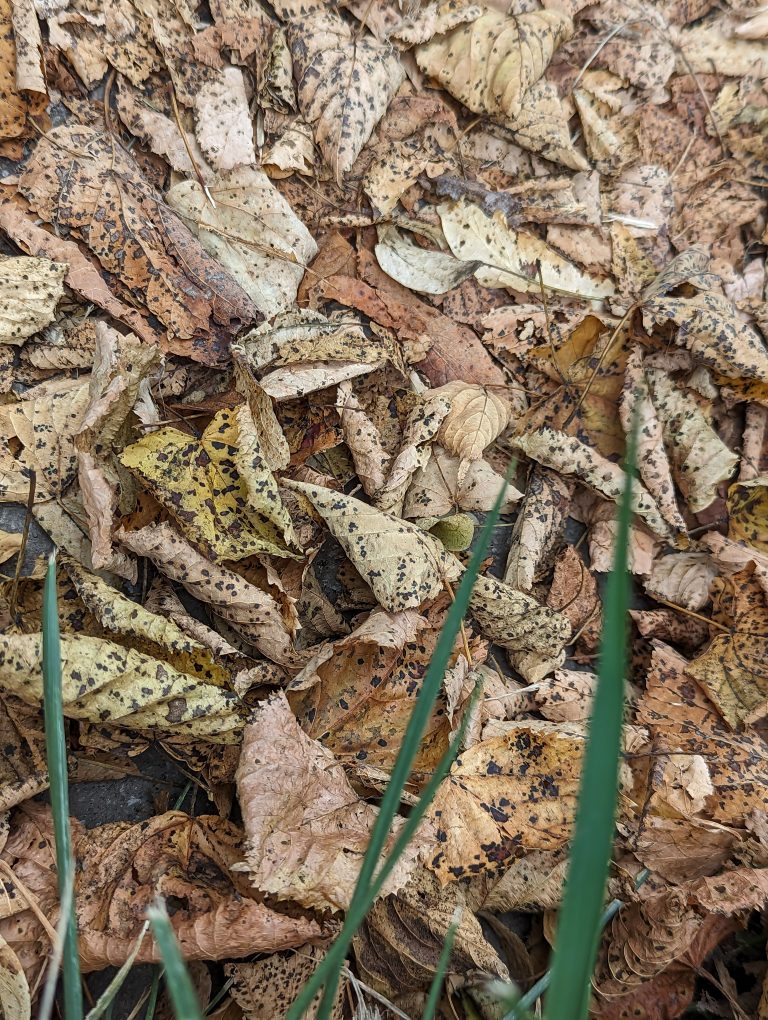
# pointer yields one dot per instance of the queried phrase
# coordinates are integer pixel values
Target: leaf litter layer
(284, 291)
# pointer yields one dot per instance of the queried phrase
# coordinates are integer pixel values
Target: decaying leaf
(490, 63)
(430, 272)
(509, 792)
(403, 565)
(539, 525)
(252, 231)
(570, 456)
(307, 829)
(700, 459)
(264, 990)
(250, 611)
(516, 621)
(106, 683)
(574, 594)
(747, 521)
(345, 80)
(476, 417)
(30, 288)
(125, 223)
(511, 258)
(218, 488)
(123, 867)
(445, 484)
(683, 578)
(732, 670)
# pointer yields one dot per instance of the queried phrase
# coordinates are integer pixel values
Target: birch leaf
(252, 231)
(307, 829)
(30, 289)
(570, 456)
(403, 565)
(700, 459)
(509, 257)
(108, 684)
(218, 488)
(490, 64)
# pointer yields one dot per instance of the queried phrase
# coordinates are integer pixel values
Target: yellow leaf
(219, 487)
(403, 564)
(515, 620)
(748, 512)
(107, 684)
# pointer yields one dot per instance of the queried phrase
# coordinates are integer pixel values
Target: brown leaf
(733, 668)
(82, 276)
(307, 829)
(476, 417)
(398, 947)
(24, 770)
(264, 990)
(345, 80)
(676, 709)
(356, 695)
(515, 620)
(539, 526)
(445, 484)
(250, 611)
(517, 790)
(683, 578)
(490, 63)
(652, 461)
(122, 868)
(30, 288)
(22, 88)
(570, 456)
(574, 594)
(137, 238)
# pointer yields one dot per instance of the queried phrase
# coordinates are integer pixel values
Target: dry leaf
(125, 223)
(345, 80)
(539, 525)
(307, 829)
(250, 611)
(710, 328)
(541, 126)
(106, 683)
(732, 670)
(363, 440)
(218, 488)
(252, 231)
(570, 456)
(516, 621)
(403, 565)
(445, 484)
(421, 269)
(356, 695)
(476, 417)
(510, 257)
(513, 791)
(700, 459)
(223, 123)
(490, 63)
(122, 868)
(652, 463)
(30, 289)
(683, 578)
(264, 990)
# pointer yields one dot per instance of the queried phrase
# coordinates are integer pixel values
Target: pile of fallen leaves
(286, 289)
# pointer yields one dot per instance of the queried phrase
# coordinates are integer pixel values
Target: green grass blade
(154, 991)
(177, 980)
(442, 966)
(578, 931)
(56, 752)
(368, 887)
